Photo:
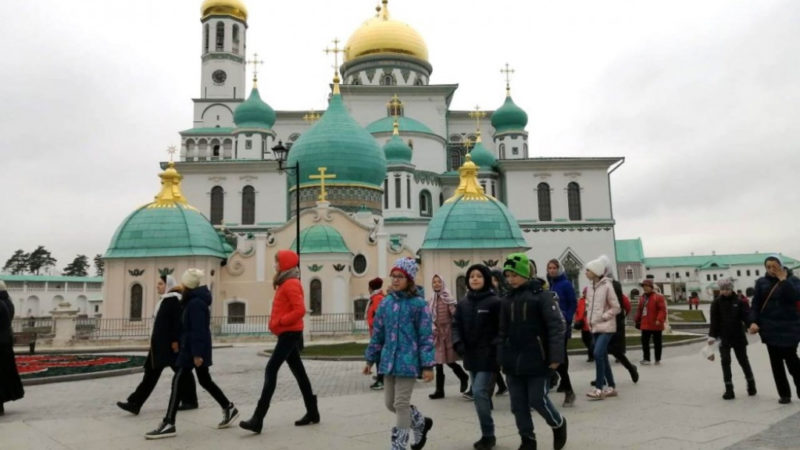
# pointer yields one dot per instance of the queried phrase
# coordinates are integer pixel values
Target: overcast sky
(701, 98)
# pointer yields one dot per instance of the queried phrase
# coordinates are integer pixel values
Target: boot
(751, 387)
(728, 395)
(634, 374)
(255, 423)
(420, 425)
(130, 407)
(560, 435)
(312, 413)
(400, 438)
(485, 443)
(463, 378)
(2, 409)
(528, 443)
(439, 392)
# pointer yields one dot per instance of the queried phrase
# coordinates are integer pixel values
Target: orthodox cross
(507, 71)
(335, 50)
(171, 150)
(394, 106)
(255, 62)
(311, 117)
(323, 194)
(477, 115)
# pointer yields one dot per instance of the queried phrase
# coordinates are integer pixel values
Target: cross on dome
(477, 115)
(335, 50)
(171, 150)
(323, 194)
(255, 62)
(507, 71)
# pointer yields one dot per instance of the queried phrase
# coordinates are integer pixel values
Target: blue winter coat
(402, 336)
(195, 327)
(567, 300)
(778, 320)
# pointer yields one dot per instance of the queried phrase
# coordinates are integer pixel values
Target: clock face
(219, 76)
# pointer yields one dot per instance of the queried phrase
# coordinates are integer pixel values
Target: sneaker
(467, 395)
(485, 443)
(164, 430)
(596, 394)
(644, 362)
(229, 414)
(785, 400)
(130, 407)
(569, 399)
(658, 363)
(560, 435)
(187, 406)
(609, 391)
(377, 386)
(634, 374)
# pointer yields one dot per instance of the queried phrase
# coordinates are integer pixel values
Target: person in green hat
(529, 315)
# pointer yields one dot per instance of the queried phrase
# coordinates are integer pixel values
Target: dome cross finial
(172, 150)
(477, 115)
(255, 62)
(335, 50)
(507, 71)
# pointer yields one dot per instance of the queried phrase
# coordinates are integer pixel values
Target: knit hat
(192, 278)
(375, 284)
(3, 286)
(725, 284)
(408, 266)
(598, 266)
(519, 264)
(487, 277)
(647, 282)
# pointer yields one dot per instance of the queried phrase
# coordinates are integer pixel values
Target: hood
(487, 277)
(287, 259)
(201, 293)
(561, 276)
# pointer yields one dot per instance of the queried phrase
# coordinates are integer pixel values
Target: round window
(359, 264)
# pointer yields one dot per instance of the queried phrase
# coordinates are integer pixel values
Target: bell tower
(223, 49)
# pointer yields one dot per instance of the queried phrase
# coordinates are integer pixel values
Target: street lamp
(281, 153)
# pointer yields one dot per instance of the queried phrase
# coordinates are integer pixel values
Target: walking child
(442, 306)
(729, 317)
(375, 297)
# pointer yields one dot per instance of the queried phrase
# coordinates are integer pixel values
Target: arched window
(215, 151)
(408, 192)
(220, 38)
(316, 297)
(543, 195)
(235, 38)
(217, 199)
(461, 287)
(398, 191)
(236, 312)
(136, 303)
(574, 201)
(205, 38)
(388, 80)
(425, 207)
(441, 198)
(386, 193)
(455, 159)
(248, 205)
(502, 150)
(419, 82)
(629, 274)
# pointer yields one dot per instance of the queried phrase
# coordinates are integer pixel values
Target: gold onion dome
(233, 8)
(383, 35)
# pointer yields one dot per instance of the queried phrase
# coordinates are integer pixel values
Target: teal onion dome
(320, 239)
(482, 157)
(509, 117)
(254, 113)
(396, 150)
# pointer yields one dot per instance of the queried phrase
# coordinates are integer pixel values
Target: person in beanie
(194, 354)
(567, 302)
(650, 318)
(442, 306)
(286, 322)
(475, 326)
(10, 383)
(375, 297)
(402, 344)
(602, 307)
(729, 317)
(774, 315)
(531, 347)
(164, 346)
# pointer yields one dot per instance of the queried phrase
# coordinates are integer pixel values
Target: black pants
(623, 359)
(563, 369)
(741, 355)
(586, 337)
(646, 334)
(778, 356)
(500, 381)
(286, 350)
(187, 390)
(204, 378)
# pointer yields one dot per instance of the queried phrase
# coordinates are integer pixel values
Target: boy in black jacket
(729, 317)
(531, 336)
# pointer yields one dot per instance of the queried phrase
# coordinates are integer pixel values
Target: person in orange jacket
(650, 318)
(286, 322)
(580, 323)
(376, 295)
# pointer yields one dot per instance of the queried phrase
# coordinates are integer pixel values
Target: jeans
(204, 379)
(286, 350)
(482, 388)
(531, 392)
(603, 375)
(777, 357)
(646, 334)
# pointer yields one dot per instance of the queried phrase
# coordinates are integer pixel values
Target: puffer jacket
(567, 300)
(778, 320)
(475, 327)
(195, 327)
(729, 316)
(402, 336)
(652, 312)
(531, 332)
(602, 306)
(288, 305)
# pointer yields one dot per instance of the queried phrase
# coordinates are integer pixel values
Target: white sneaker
(609, 391)
(164, 430)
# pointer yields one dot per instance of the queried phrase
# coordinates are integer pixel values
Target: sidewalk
(674, 406)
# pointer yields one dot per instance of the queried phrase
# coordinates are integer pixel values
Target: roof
(320, 239)
(51, 278)
(254, 113)
(386, 124)
(509, 117)
(207, 131)
(706, 261)
(629, 250)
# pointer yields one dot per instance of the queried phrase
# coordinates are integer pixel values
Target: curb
(78, 350)
(81, 376)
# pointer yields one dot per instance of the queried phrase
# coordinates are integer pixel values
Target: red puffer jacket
(288, 306)
(656, 311)
(374, 302)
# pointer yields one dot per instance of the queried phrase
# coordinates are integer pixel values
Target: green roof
(722, 261)
(482, 157)
(396, 150)
(208, 131)
(470, 224)
(320, 239)
(386, 125)
(177, 230)
(509, 117)
(340, 144)
(629, 250)
(51, 278)
(254, 113)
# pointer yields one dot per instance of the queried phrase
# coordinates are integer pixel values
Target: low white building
(37, 295)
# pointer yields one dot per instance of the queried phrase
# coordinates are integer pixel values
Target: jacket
(166, 330)
(402, 336)
(531, 332)
(567, 300)
(580, 314)
(652, 308)
(288, 308)
(6, 316)
(475, 327)
(617, 344)
(195, 327)
(602, 306)
(374, 301)
(729, 317)
(778, 320)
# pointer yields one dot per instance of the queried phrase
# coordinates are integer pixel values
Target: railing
(332, 324)
(101, 329)
(41, 325)
(240, 326)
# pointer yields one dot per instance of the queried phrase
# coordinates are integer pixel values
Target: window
(687, 275)
(543, 195)
(235, 38)
(494, 194)
(461, 287)
(418, 82)
(758, 272)
(248, 144)
(236, 312)
(515, 151)
(388, 80)
(708, 277)
(248, 205)
(359, 264)
(483, 186)
(216, 205)
(408, 193)
(360, 308)
(385, 194)
(667, 274)
(425, 209)
(502, 151)
(220, 36)
(738, 273)
(455, 159)
(398, 202)
(748, 272)
(316, 297)
(205, 39)
(628, 274)
(574, 201)
(136, 303)
(525, 150)
(715, 277)
(215, 151)
(441, 199)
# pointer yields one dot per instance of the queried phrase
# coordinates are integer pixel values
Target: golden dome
(233, 8)
(381, 34)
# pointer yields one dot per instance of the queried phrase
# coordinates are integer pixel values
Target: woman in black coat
(10, 383)
(164, 345)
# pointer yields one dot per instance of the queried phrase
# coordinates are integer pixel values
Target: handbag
(578, 325)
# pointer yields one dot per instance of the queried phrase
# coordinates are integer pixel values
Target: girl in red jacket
(650, 318)
(286, 322)
(580, 323)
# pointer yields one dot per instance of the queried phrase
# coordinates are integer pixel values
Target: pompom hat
(407, 266)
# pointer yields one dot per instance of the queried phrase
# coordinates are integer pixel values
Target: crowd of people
(510, 332)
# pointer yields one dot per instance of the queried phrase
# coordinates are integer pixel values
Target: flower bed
(44, 365)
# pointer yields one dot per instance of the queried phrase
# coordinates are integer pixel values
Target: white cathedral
(380, 170)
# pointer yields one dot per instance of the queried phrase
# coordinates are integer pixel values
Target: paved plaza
(674, 406)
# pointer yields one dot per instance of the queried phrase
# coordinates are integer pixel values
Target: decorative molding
(216, 179)
(136, 272)
(235, 268)
(572, 175)
(461, 263)
(166, 271)
(248, 178)
(491, 262)
(339, 267)
(315, 267)
(543, 175)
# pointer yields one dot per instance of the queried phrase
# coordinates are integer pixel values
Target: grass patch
(687, 316)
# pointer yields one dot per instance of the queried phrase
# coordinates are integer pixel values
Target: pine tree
(18, 263)
(39, 259)
(99, 265)
(78, 267)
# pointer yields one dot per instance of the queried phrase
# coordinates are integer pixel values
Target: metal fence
(240, 326)
(41, 325)
(102, 329)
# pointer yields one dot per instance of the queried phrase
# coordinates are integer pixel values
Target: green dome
(254, 113)
(509, 117)
(397, 151)
(320, 239)
(177, 230)
(340, 144)
(482, 157)
(406, 124)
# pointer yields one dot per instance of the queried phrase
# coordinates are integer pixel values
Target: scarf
(442, 295)
(294, 272)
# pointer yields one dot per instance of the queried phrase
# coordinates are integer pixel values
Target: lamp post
(281, 153)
